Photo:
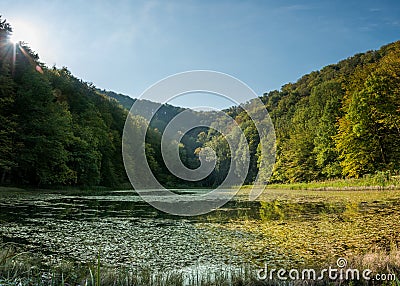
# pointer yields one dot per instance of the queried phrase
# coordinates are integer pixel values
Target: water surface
(60, 225)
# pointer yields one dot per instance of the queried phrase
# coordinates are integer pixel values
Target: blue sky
(126, 46)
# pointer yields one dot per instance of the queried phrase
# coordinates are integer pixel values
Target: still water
(126, 231)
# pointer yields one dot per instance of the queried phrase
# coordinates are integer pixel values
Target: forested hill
(343, 120)
(124, 100)
(160, 118)
(55, 129)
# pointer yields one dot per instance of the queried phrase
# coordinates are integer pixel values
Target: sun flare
(23, 32)
(14, 39)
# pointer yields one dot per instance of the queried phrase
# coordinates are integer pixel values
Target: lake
(282, 227)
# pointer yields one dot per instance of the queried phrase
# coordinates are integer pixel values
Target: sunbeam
(14, 56)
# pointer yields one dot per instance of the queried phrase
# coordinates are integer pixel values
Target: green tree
(7, 122)
(368, 138)
(44, 131)
(325, 100)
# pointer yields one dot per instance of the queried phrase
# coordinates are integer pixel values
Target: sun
(23, 31)
(14, 39)
(33, 34)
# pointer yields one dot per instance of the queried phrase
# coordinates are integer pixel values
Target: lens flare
(14, 39)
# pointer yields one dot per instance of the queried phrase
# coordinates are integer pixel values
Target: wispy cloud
(297, 7)
(368, 28)
(394, 23)
(373, 10)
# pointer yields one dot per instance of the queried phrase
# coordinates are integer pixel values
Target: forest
(57, 130)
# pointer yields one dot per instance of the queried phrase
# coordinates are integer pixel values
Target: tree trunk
(3, 177)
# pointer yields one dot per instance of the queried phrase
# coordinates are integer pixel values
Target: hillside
(55, 129)
(124, 100)
(58, 130)
(341, 121)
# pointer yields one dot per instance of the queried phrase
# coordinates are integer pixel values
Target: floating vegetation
(54, 237)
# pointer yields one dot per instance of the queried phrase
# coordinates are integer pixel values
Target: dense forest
(58, 130)
(55, 129)
(340, 121)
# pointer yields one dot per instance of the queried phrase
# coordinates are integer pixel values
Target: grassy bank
(24, 269)
(380, 180)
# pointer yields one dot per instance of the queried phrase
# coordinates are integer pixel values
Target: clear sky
(126, 46)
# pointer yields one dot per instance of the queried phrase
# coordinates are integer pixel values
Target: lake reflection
(128, 231)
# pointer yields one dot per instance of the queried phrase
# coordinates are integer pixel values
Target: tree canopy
(56, 129)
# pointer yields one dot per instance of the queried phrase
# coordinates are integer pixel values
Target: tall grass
(19, 270)
(23, 269)
(379, 180)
